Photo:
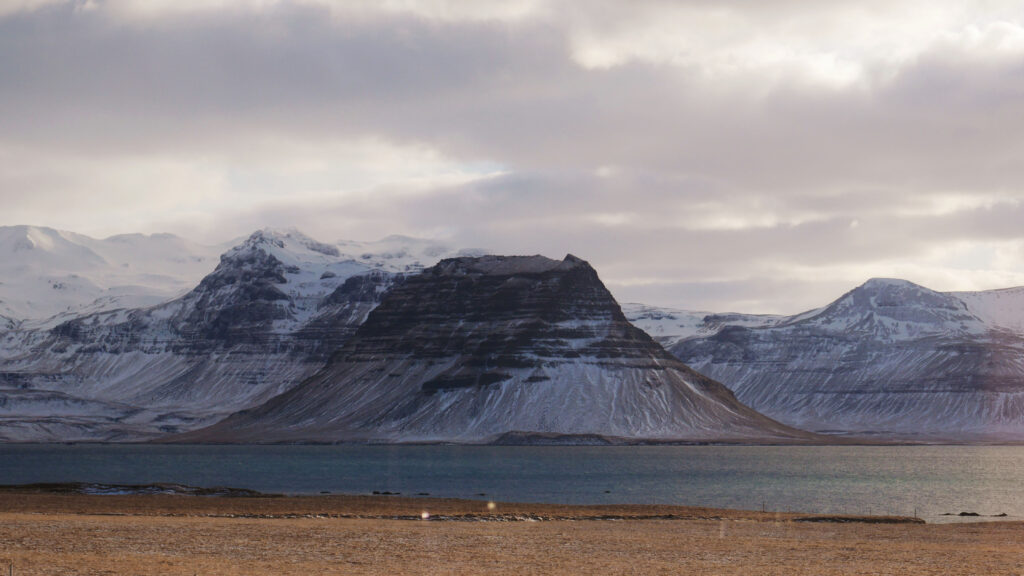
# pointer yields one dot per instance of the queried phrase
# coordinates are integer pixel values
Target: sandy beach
(45, 533)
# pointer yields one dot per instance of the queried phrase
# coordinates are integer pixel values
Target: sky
(720, 155)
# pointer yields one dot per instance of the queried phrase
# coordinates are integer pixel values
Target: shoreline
(174, 500)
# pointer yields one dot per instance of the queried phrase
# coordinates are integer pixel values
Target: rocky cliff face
(266, 318)
(492, 348)
(890, 359)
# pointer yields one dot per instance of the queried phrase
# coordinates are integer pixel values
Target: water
(931, 480)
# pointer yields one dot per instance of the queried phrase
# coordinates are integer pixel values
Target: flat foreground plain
(169, 535)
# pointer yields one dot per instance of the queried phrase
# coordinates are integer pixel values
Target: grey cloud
(483, 89)
(795, 163)
(647, 257)
(756, 293)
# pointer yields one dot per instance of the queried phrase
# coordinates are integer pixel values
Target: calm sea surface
(849, 479)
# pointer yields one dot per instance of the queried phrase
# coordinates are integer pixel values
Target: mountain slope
(999, 309)
(889, 359)
(669, 326)
(484, 349)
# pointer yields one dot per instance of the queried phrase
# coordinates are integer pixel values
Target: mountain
(669, 326)
(889, 359)
(500, 349)
(135, 337)
(264, 319)
(46, 272)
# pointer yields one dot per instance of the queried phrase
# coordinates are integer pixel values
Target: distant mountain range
(143, 337)
(46, 273)
(265, 318)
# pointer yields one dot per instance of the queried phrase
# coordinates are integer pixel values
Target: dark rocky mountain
(497, 349)
(890, 360)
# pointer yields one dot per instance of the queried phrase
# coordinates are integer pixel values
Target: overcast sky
(718, 155)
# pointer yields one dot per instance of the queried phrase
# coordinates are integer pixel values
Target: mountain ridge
(881, 361)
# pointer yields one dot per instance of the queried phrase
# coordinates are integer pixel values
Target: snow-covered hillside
(48, 276)
(1002, 309)
(889, 359)
(669, 326)
(46, 272)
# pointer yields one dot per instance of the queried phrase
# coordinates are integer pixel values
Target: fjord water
(931, 480)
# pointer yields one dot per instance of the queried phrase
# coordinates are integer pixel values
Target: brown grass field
(45, 533)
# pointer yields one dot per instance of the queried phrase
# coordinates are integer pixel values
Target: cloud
(716, 155)
(148, 10)
(835, 44)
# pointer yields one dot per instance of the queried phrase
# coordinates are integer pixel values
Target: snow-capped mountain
(265, 318)
(496, 349)
(46, 272)
(134, 337)
(669, 326)
(889, 359)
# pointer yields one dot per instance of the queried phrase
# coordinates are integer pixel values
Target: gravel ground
(75, 534)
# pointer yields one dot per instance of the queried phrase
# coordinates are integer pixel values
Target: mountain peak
(894, 309)
(505, 265)
(883, 283)
(284, 245)
(894, 292)
(265, 236)
(22, 238)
